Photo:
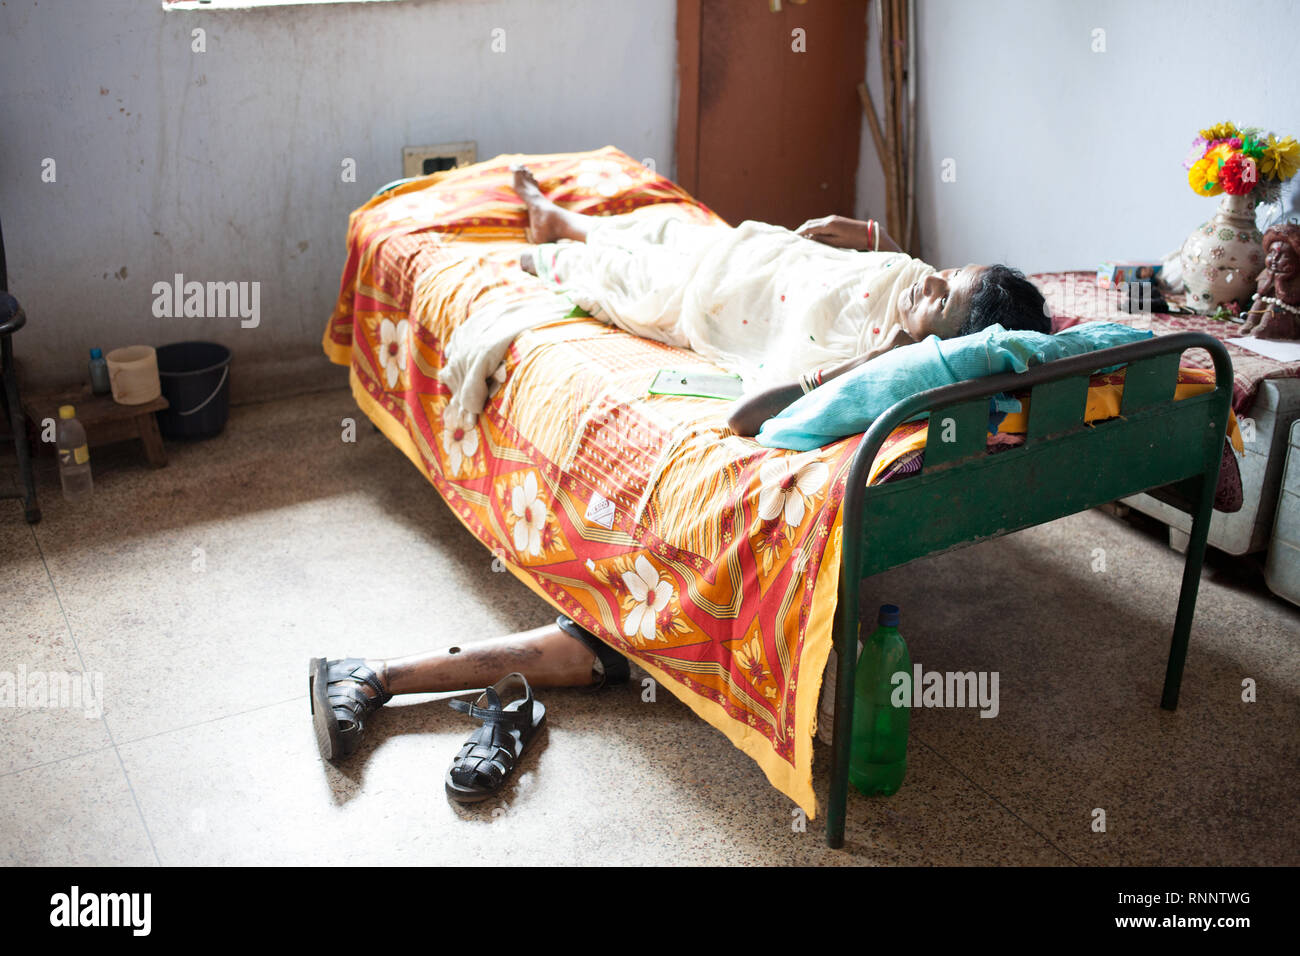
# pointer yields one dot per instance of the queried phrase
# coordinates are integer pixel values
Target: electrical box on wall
(422, 160)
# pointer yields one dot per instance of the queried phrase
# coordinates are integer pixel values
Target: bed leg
(1187, 595)
(846, 665)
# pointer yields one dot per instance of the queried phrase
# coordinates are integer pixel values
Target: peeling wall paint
(225, 165)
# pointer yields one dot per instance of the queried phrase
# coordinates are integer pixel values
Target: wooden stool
(105, 420)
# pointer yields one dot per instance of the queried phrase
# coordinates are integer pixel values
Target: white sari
(756, 299)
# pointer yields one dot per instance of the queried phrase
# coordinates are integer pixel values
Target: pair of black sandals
(509, 714)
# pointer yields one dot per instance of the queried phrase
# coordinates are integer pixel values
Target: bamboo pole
(873, 123)
(900, 90)
(889, 160)
(911, 245)
(896, 54)
(873, 120)
(895, 141)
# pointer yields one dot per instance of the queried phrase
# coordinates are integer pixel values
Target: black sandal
(339, 712)
(489, 755)
(613, 665)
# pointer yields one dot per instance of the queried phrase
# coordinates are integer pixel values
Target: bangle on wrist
(873, 236)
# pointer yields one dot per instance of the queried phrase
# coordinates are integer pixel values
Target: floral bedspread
(710, 560)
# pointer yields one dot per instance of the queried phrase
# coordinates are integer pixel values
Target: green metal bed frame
(964, 494)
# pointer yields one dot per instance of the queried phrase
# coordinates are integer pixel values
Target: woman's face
(939, 303)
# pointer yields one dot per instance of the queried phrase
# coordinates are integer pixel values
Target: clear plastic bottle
(878, 755)
(74, 455)
(99, 380)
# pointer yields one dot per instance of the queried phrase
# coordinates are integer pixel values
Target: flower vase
(1222, 258)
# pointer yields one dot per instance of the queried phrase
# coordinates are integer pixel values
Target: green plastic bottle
(878, 759)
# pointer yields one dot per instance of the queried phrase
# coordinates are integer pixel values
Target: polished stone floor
(192, 597)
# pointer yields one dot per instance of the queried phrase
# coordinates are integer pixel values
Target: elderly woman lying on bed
(785, 310)
(784, 313)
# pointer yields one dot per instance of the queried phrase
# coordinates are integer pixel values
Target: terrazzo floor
(197, 593)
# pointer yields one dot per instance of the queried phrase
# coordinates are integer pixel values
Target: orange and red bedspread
(710, 560)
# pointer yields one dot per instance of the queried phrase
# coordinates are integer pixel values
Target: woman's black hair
(1006, 296)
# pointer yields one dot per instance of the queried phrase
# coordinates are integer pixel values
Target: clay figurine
(1275, 306)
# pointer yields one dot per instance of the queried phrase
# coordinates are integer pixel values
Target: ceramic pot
(1223, 257)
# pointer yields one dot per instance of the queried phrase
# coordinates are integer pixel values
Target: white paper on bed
(1280, 350)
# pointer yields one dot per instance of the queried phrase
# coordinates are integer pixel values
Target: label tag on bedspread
(601, 511)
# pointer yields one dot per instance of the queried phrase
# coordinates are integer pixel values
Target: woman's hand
(838, 231)
(749, 413)
(845, 233)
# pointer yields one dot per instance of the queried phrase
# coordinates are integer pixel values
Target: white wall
(1066, 157)
(225, 165)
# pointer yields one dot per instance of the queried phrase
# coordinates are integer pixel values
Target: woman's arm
(844, 233)
(749, 413)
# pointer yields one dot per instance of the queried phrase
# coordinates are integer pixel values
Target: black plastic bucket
(195, 380)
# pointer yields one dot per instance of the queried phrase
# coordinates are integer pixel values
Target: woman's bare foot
(546, 221)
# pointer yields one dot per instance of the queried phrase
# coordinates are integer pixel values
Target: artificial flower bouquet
(1241, 160)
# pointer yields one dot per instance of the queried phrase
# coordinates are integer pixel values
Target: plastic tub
(133, 374)
(196, 382)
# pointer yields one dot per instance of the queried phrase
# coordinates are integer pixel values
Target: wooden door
(768, 119)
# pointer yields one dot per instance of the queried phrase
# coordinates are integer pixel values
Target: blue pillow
(849, 404)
